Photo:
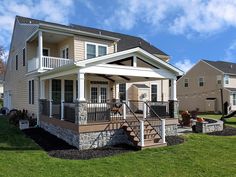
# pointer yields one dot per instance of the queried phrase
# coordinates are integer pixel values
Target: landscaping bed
(227, 131)
(56, 147)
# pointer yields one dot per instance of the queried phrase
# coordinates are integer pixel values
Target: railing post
(141, 133)
(50, 108)
(144, 110)
(124, 110)
(62, 109)
(163, 130)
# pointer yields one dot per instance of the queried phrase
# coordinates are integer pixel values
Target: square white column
(173, 89)
(74, 90)
(40, 48)
(42, 89)
(81, 80)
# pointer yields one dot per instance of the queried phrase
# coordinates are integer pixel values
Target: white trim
(99, 86)
(96, 49)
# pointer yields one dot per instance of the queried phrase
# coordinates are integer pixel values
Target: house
(91, 87)
(209, 86)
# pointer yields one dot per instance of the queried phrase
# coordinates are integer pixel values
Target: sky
(187, 30)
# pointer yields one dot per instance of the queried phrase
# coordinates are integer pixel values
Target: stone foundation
(90, 139)
(206, 127)
(171, 130)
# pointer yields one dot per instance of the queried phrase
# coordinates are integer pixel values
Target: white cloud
(51, 10)
(184, 65)
(185, 17)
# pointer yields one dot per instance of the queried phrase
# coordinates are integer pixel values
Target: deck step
(153, 145)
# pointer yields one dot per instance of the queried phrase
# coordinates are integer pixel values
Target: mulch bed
(56, 147)
(174, 140)
(228, 131)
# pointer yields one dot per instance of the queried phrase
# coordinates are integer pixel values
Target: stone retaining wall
(171, 130)
(205, 127)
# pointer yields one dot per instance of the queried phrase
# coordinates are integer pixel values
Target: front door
(98, 93)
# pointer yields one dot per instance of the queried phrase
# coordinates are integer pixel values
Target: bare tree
(2, 63)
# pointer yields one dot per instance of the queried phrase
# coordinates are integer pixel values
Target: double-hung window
(95, 50)
(186, 81)
(31, 91)
(234, 99)
(201, 81)
(226, 79)
(65, 52)
(122, 92)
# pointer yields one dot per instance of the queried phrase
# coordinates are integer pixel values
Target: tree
(2, 64)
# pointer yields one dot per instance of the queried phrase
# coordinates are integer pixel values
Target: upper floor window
(153, 92)
(23, 57)
(186, 82)
(201, 81)
(46, 51)
(16, 62)
(234, 99)
(95, 50)
(65, 52)
(226, 79)
(218, 79)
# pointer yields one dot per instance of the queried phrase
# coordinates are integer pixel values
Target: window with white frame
(31, 91)
(95, 50)
(226, 79)
(65, 52)
(122, 92)
(234, 99)
(201, 81)
(219, 78)
(153, 92)
(186, 82)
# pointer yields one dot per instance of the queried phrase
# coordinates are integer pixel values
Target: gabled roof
(125, 41)
(225, 67)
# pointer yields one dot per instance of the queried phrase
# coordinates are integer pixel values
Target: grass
(201, 155)
(229, 121)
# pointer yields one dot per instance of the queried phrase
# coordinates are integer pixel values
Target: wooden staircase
(150, 135)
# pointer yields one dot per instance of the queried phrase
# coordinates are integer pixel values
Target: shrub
(16, 115)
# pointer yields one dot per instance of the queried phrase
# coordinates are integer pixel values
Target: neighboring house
(204, 86)
(73, 79)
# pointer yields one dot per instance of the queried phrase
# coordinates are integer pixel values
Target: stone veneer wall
(90, 139)
(205, 127)
(171, 130)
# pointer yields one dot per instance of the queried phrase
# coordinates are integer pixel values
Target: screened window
(186, 82)
(16, 62)
(153, 92)
(31, 92)
(56, 90)
(68, 91)
(201, 82)
(23, 57)
(226, 78)
(91, 51)
(234, 99)
(102, 50)
(122, 92)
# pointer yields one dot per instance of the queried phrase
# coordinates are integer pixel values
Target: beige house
(91, 87)
(209, 86)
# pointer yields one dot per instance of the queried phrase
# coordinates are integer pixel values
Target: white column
(144, 110)
(117, 91)
(124, 110)
(42, 89)
(62, 98)
(40, 48)
(81, 93)
(74, 90)
(141, 133)
(173, 89)
(126, 93)
(50, 97)
(134, 61)
(163, 130)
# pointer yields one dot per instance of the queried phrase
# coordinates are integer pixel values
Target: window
(31, 92)
(226, 79)
(103, 94)
(186, 82)
(218, 79)
(153, 92)
(16, 62)
(24, 57)
(234, 99)
(95, 50)
(65, 53)
(46, 52)
(94, 94)
(68, 91)
(122, 92)
(102, 50)
(201, 81)
(56, 90)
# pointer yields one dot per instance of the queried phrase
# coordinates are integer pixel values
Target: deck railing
(49, 62)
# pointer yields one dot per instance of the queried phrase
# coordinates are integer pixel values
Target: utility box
(23, 124)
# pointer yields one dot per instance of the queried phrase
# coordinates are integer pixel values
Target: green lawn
(230, 121)
(201, 155)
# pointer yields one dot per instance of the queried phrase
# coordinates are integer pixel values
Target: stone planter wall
(206, 127)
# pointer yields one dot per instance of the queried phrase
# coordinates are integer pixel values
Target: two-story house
(209, 86)
(91, 87)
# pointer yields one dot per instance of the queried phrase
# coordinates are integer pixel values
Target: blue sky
(187, 30)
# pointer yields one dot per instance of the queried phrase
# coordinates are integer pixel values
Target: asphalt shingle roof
(226, 67)
(125, 42)
(140, 85)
